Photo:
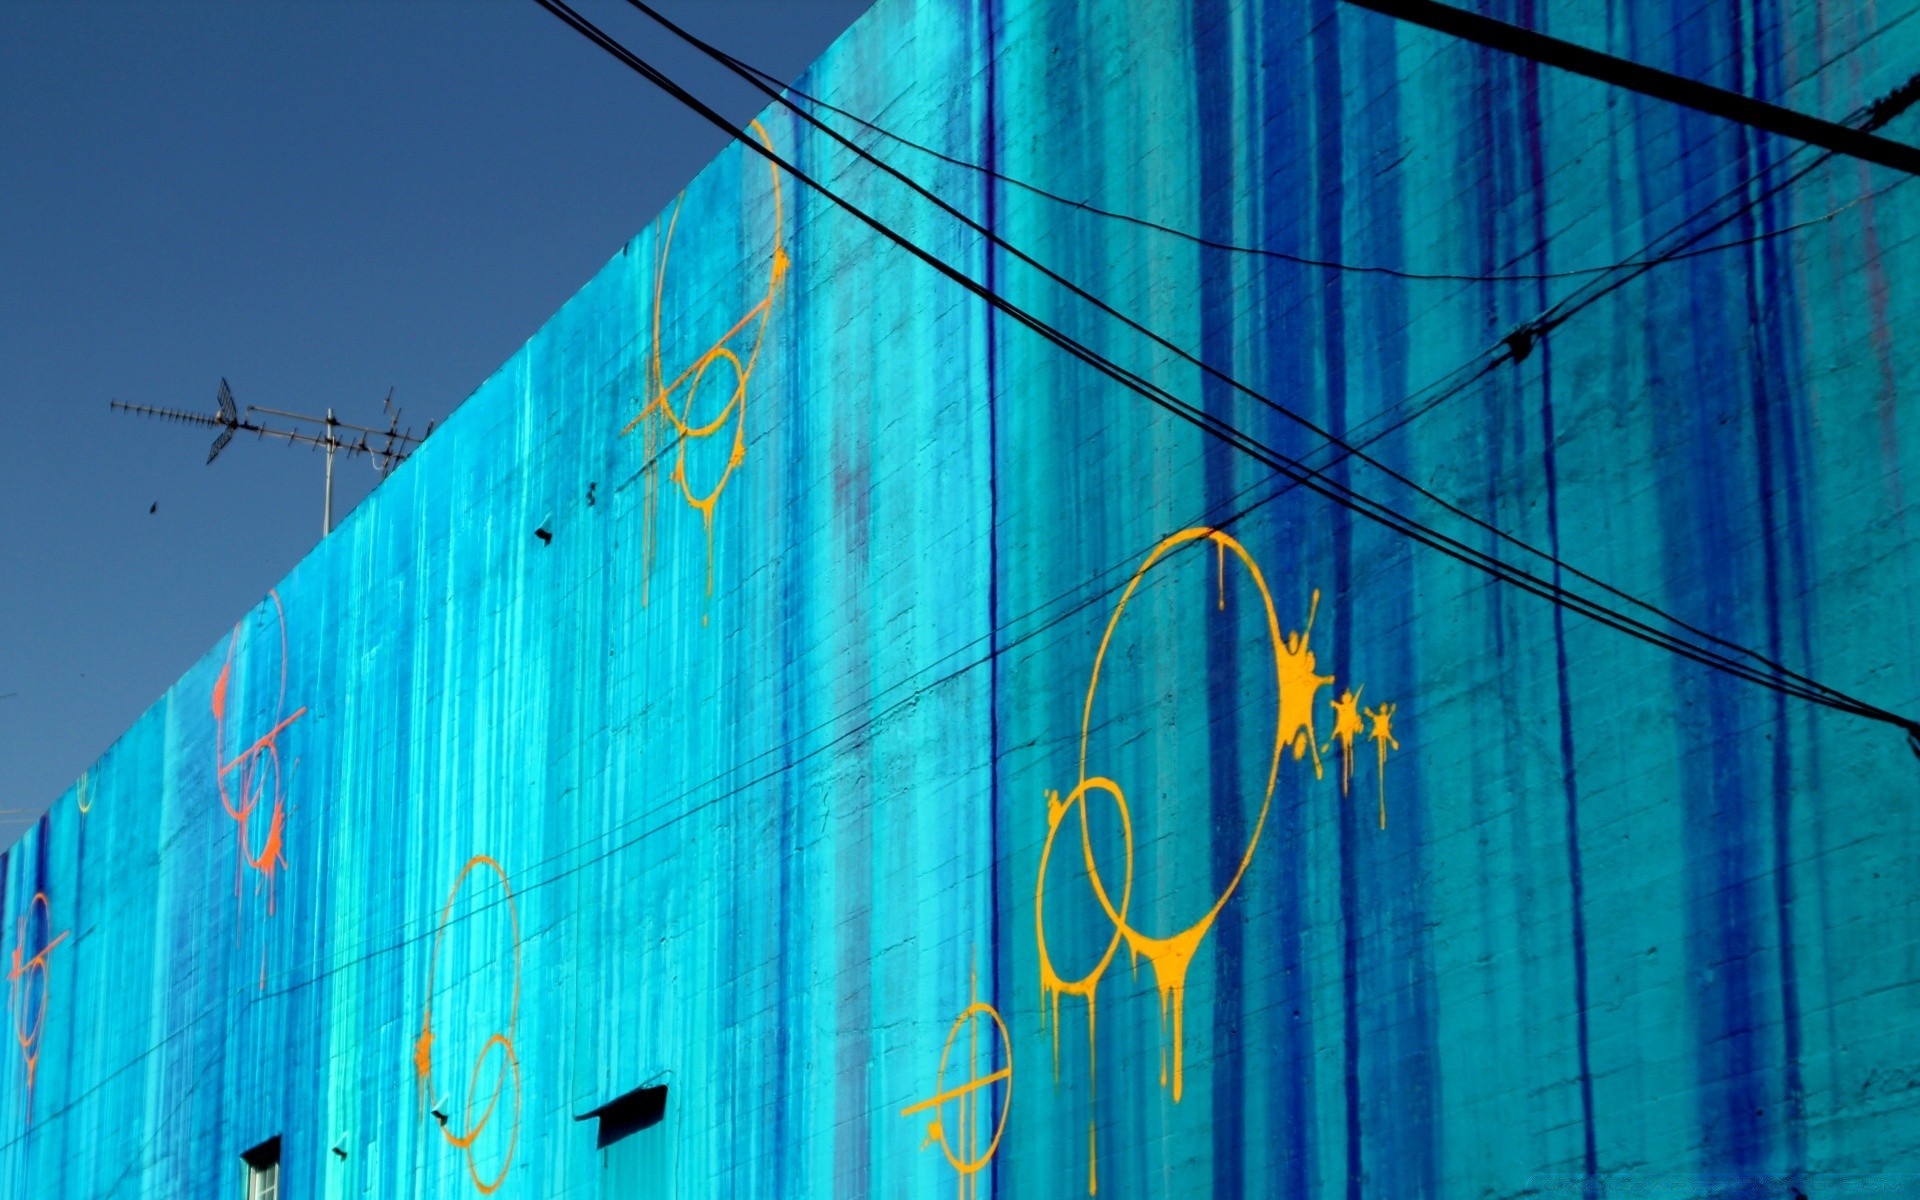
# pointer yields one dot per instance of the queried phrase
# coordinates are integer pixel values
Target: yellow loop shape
(969, 1166)
(1052, 984)
(661, 391)
(1170, 955)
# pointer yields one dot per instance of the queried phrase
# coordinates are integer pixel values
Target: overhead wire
(1825, 696)
(1677, 239)
(1303, 260)
(1867, 118)
(860, 728)
(1549, 589)
(857, 729)
(1872, 116)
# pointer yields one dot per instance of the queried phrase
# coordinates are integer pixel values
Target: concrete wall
(935, 712)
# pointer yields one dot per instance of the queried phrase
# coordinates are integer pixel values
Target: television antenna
(387, 448)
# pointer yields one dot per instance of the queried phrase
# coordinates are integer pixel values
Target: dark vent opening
(642, 1108)
(265, 1155)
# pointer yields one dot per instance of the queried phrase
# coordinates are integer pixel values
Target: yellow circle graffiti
(677, 415)
(1295, 684)
(958, 1141)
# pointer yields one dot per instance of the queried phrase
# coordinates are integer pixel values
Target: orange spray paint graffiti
(668, 410)
(960, 1139)
(1297, 685)
(471, 1127)
(29, 979)
(252, 777)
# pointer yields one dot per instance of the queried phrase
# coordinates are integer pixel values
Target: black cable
(862, 727)
(858, 729)
(1868, 117)
(1330, 438)
(1873, 116)
(789, 89)
(1678, 238)
(1280, 463)
(1531, 44)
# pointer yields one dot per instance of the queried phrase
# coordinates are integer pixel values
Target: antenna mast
(388, 447)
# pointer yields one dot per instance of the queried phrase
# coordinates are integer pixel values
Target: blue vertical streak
(990, 158)
(1330, 194)
(1772, 406)
(44, 828)
(1213, 114)
(790, 970)
(1283, 138)
(1404, 1064)
(1549, 462)
(1723, 878)
(5, 856)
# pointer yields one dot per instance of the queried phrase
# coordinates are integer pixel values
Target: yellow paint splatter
(1346, 727)
(1297, 685)
(1382, 733)
(669, 403)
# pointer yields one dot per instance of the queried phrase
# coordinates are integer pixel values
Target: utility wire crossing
(1766, 674)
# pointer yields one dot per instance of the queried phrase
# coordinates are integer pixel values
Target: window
(263, 1170)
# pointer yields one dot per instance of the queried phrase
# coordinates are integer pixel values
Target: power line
(1517, 344)
(1310, 478)
(741, 787)
(1648, 81)
(1281, 255)
(1252, 445)
(668, 821)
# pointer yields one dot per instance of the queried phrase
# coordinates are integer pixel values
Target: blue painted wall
(538, 781)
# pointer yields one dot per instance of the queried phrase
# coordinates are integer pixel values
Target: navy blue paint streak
(1783, 532)
(1214, 112)
(1329, 239)
(1003, 931)
(1721, 840)
(1402, 1079)
(794, 929)
(1529, 80)
(1290, 363)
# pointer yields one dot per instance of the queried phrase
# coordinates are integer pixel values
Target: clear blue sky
(318, 201)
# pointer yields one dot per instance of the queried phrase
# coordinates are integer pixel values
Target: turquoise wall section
(789, 681)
